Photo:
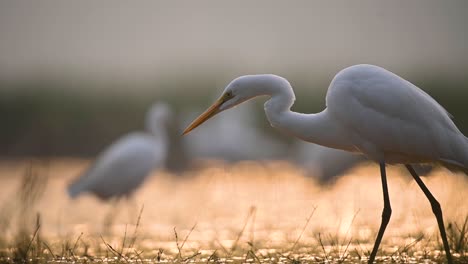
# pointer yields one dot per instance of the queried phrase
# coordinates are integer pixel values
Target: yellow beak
(210, 112)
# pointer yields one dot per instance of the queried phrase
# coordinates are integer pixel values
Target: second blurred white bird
(325, 164)
(123, 166)
(234, 137)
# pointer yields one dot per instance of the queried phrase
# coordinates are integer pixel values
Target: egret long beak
(210, 112)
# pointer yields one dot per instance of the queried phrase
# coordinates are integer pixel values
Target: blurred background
(76, 75)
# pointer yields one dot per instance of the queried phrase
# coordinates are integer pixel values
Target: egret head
(158, 117)
(238, 91)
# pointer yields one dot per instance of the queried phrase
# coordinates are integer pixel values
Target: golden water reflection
(222, 205)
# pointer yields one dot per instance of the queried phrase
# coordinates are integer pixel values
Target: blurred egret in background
(328, 164)
(121, 168)
(231, 138)
(369, 110)
(325, 164)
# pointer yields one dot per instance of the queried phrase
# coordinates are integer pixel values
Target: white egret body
(370, 111)
(123, 166)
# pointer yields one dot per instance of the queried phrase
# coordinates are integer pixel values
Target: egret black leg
(435, 209)
(386, 213)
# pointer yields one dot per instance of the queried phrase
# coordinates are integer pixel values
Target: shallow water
(232, 209)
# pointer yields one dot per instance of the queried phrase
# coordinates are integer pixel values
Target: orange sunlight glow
(270, 201)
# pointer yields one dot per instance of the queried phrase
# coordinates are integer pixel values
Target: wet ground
(267, 212)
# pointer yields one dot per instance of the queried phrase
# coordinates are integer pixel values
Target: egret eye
(228, 94)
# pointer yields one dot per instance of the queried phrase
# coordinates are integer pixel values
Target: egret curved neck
(318, 128)
(157, 129)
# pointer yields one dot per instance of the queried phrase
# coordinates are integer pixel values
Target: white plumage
(121, 168)
(370, 111)
(389, 119)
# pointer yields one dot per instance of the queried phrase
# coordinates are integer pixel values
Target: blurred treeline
(45, 118)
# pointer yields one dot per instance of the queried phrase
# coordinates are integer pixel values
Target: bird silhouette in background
(370, 111)
(234, 136)
(324, 164)
(328, 164)
(123, 166)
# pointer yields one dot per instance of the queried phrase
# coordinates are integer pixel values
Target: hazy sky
(146, 39)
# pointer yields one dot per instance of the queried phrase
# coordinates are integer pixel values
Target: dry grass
(242, 213)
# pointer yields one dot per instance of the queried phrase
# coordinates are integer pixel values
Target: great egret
(369, 110)
(123, 166)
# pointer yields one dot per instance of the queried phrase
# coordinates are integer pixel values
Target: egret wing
(391, 114)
